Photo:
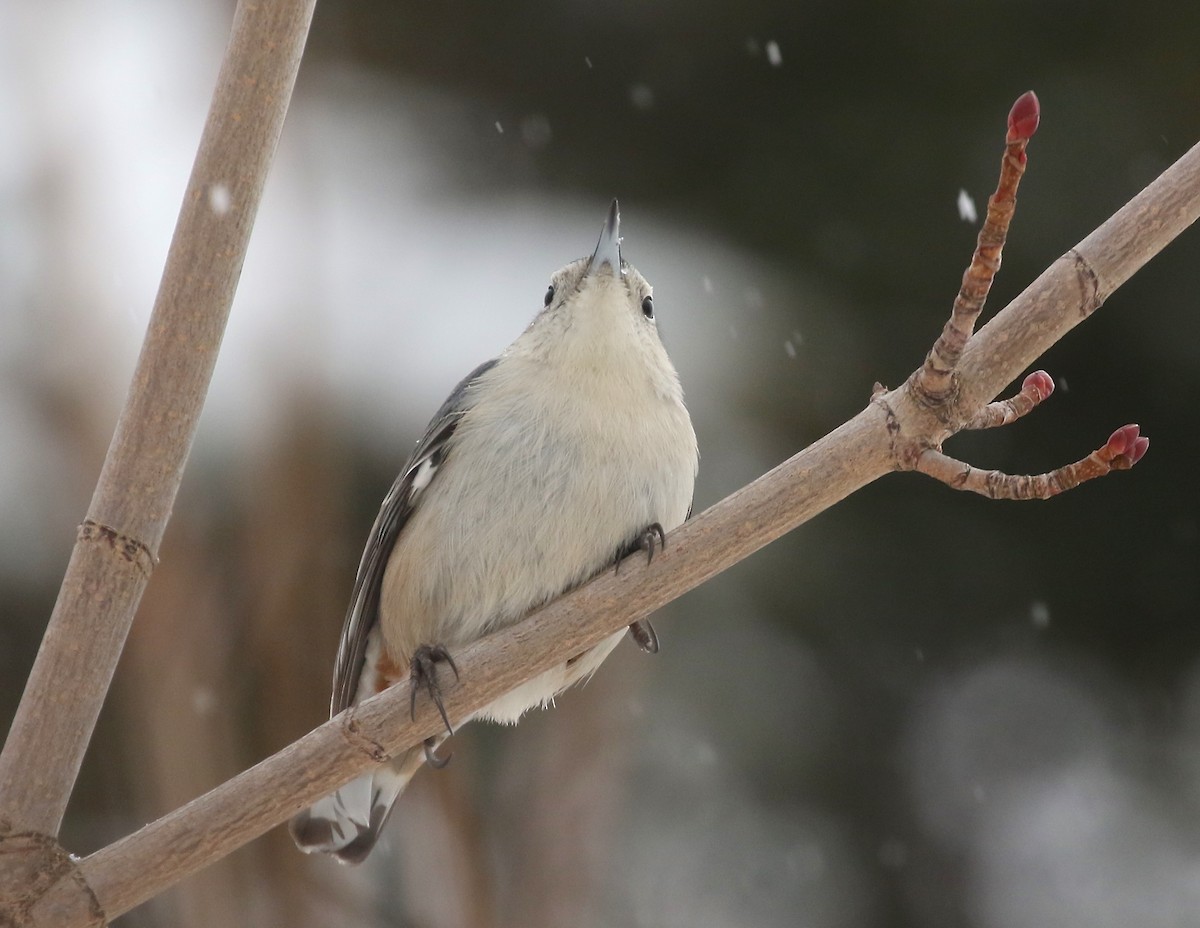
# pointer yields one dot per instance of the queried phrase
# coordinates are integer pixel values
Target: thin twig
(1034, 389)
(934, 380)
(1124, 448)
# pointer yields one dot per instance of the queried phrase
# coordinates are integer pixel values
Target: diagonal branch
(890, 434)
(117, 545)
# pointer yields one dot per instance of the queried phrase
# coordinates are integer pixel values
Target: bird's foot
(423, 672)
(642, 632)
(431, 745)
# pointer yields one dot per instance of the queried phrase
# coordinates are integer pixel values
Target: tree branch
(891, 433)
(117, 545)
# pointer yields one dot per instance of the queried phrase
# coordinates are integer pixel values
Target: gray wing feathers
(398, 505)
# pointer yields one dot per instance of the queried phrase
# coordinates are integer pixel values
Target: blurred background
(921, 709)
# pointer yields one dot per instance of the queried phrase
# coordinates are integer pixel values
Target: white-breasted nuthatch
(570, 450)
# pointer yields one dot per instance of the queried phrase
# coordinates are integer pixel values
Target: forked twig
(934, 382)
(898, 430)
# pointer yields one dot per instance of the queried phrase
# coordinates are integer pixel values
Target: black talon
(423, 669)
(431, 758)
(648, 540)
(644, 541)
(644, 636)
(642, 632)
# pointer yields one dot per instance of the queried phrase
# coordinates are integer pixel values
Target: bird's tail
(348, 823)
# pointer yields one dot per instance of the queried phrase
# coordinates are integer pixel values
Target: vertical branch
(117, 545)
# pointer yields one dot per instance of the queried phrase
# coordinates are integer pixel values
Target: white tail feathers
(348, 823)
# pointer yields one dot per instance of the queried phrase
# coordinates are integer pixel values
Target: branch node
(891, 422)
(1091, 298)
(935, 388)
(41, 884)
(131, 549)
(352, 731)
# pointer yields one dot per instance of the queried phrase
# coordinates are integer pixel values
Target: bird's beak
(608, 249)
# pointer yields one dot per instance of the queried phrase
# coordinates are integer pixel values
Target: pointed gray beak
(608, 249)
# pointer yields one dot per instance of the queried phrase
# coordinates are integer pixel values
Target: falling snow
(966, 207)
(587, 61)
(774, 56)
(707, 284)
(789, 348)
(204, 700)
(219, 199)
(535, 131)
(1039, 615)
(641, 96)
(499, 128)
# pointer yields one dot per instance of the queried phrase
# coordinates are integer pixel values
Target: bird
(545, 466)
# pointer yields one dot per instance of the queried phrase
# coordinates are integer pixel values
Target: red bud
(1023, 117)
(1120, 441)
(1041, 382)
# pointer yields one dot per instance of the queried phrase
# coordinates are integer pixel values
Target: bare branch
(890, 434)
(1124, 448)
(135, 868)
(117, 544)
(934, 380)
(934, 383)
(895, 432)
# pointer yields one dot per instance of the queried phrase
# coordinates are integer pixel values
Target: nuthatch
(568, 451)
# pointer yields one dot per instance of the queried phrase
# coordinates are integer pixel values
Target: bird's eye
(648, 307)
(549, 295)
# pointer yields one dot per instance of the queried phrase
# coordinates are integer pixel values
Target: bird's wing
(398, 505)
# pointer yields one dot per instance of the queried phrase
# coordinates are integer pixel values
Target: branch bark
(117, 545)
(889, 434)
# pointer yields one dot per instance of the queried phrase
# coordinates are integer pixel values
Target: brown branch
(892, 433)
(137, 867)
(118, 542)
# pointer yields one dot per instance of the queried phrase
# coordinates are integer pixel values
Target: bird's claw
(437, 763)
(644, 636)
(423, 670)
(646, 540)
(642, 632)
